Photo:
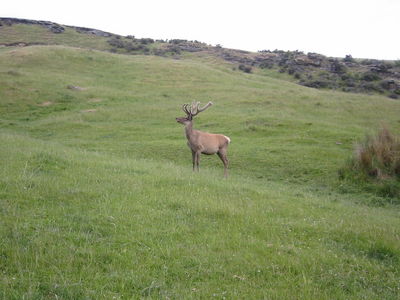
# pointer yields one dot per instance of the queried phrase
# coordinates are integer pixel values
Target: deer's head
(191, 110)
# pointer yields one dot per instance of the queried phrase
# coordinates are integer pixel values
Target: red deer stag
(203, 142)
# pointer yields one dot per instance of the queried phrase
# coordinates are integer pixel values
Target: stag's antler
(193, 109)
(186, 110)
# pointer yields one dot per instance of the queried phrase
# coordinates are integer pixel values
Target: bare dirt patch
(46, 103)
(75, 88)
(92, 110)
(95, 100)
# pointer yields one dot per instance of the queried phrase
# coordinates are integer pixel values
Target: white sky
(362, 28)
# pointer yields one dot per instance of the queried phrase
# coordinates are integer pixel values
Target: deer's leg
(193, 159)
(222, 155)
(198, 153)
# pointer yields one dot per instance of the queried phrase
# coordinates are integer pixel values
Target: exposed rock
(311, 69)
(390, 84)
(53, 27)
(92, 31)
(56, 28)
(337, 67)
(380, 68)
(306, 61)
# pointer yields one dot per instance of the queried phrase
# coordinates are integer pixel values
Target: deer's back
(210, 143)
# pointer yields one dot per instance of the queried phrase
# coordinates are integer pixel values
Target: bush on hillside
(379, 156)
(177, 41)
(146, 41)
(368, 61)
(317, 83)
(266, 64)
(244, 68)
(370, 76)
(349, 59)
(376, 164)
(116, 42)
(175, 49)
(337, 67)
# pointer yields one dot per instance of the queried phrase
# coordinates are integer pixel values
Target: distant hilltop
(309, 69)
(53, 27)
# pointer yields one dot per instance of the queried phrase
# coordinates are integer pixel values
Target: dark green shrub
(175, 49)
(389, 84)
(146, 41)
(372, 87)
(337, 67)
(370, 76)
(116, 42)
(267, 65)
(130, 46)
(291, 71)
(318, 84)
(381, 67)
(244, 68)
(367, 62)
(177, 41)
(349, 59)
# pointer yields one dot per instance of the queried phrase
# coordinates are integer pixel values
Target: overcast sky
(362, 28)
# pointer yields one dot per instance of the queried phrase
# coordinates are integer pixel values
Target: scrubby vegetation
(376, 164)
(244, 68)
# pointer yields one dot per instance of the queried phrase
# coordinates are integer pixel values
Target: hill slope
(98, 199)
(370, 76)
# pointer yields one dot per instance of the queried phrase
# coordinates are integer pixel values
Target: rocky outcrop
(53, 27)
(92, 31)
(311, 69)
(318, 71)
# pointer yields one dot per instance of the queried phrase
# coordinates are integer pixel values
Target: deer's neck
(189, 130)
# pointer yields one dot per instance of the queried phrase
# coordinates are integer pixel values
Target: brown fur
(201, 142)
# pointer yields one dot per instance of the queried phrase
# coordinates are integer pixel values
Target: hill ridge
(314, 70)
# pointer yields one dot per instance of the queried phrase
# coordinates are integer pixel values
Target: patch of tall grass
(376, 164)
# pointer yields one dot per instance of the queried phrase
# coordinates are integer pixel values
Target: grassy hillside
(36, 34)
(98, 199)
(368, 76)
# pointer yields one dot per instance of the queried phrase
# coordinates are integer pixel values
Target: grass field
(98, 200)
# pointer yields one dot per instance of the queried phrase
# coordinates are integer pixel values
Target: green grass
(22, 33)
(98, 199)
